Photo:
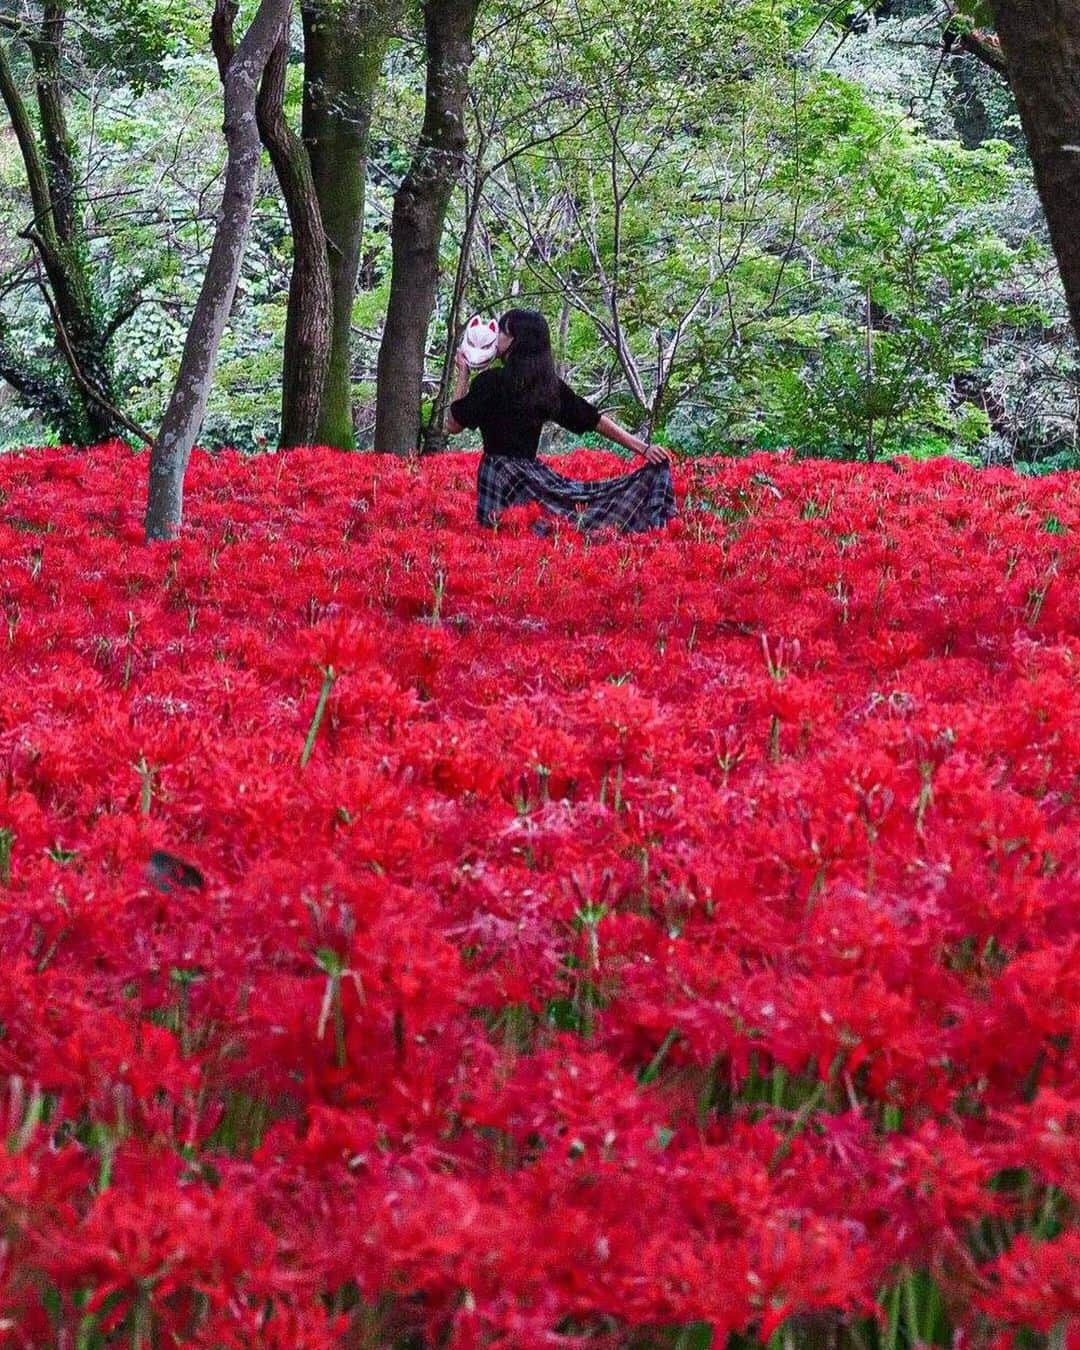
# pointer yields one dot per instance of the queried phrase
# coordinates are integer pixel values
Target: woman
(510, 407)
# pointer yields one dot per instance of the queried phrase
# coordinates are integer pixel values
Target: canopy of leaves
(747, 225)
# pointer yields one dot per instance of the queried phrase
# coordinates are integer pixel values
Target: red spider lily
(643, 933)
(1036, 1285)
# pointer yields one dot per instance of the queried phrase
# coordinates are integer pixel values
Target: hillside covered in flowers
(421, 937)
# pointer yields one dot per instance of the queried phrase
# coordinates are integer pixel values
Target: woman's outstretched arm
(655, 454)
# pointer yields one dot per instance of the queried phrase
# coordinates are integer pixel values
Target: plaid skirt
(641, 500)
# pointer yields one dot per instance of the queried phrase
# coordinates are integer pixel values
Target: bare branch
(80, 379)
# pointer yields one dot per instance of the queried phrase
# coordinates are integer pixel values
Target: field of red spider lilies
(418, 937)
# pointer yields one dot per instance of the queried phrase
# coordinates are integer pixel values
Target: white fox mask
(479, 342)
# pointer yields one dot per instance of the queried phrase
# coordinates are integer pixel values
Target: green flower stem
(329, 678)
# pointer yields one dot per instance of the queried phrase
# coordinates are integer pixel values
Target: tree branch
(80, 379)
(987, 49)
(36, 178)
(978, 42)
(222, 34)
(124, 312)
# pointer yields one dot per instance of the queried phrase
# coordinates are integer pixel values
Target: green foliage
(1061, 462)
(901, 279)
(130, 41)
(824, 270)
(794, 258)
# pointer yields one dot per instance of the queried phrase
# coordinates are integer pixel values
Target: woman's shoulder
(488, 388)
(566, 392)
(488, 379)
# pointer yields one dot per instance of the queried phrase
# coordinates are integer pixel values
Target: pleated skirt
(643, 499)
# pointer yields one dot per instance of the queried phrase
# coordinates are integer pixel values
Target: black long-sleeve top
(489, 406)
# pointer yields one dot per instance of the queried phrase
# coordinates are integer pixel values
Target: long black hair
(530, 367)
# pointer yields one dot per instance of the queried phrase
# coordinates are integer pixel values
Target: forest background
(750, 224)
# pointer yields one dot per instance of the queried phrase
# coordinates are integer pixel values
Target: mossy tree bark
(1041, 41)
(419, 215)
(79, 402)
(344, 45)
(187, 406)
(309, 321)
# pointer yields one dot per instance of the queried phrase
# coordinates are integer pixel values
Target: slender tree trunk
(310, 310)
(69, 272)
(417, 226)
(57, 233)
(187, 407)
(344, 44)
(433, 434)
(308, 326)
(1041, 40)
(565, 311)
(45, 51)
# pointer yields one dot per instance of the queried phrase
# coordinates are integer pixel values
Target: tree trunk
(59, 153)
(187, 407)
(416, 230)
(57, 233)
(344, 43)
(308, 326)
(68, 265)
(1041, 40)
(433, 434)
